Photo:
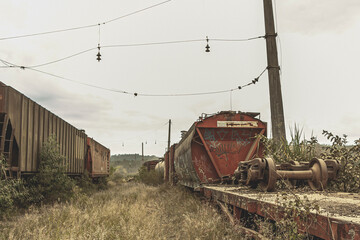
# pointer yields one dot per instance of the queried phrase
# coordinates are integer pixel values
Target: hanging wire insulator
(207, 45)
(98, 55)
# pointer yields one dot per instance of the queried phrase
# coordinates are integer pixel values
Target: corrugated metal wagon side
(98, 159)
(25, 126)
(213, 147)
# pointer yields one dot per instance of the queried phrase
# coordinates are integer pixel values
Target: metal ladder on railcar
(6, 146)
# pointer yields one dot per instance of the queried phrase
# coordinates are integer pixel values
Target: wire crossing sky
(132, 45)
(82, 27)
(160, 50)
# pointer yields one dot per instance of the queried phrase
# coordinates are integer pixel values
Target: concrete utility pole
(142, 151)
(276, 104)
(169, 134)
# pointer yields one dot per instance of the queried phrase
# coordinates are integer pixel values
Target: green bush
(13, 194)
(283, 226)
(51, 182)
(85, 183)
(349, 159)
(150, 177)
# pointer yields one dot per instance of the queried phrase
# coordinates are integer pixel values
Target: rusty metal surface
(212, 148)
(183, 162)
(333, 222)
(171, 170)
(98, 159)
(150, 165)
(31, 125)
(263, 171)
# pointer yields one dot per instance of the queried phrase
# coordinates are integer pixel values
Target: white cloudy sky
(319, 58)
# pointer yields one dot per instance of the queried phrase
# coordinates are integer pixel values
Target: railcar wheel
(269, 181)
(320, 174)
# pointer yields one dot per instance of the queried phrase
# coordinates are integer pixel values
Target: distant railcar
(25, 126)
(98, 159)
(150, 165)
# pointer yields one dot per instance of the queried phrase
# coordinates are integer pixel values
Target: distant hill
(128, 164)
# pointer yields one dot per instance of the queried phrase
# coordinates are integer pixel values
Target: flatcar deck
(338, 217)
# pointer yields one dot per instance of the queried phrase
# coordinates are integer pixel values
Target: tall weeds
(126, 211)
(298, 149)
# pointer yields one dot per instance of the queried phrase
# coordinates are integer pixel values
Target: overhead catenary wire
(135, 45)
(138, 94)
(85, 26)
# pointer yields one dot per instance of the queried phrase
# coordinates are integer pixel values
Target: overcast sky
(319, 56)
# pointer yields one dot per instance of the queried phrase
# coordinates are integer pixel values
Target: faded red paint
(98, 159)
(213, 147)
(150, 165)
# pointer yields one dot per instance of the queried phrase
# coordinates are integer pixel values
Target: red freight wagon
(214, 145)
(98, 159)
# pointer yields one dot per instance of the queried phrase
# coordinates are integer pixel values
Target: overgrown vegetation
(298, 149)
(129, 164)
(151, 177)
(294, 207)
(349, 159)
(49, 185)
(293, 210)
(52, 183)
(14, 194)
(125, 211)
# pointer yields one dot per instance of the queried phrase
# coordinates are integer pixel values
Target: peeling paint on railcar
(209, 153)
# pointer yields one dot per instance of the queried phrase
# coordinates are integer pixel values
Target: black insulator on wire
(207, 45)
(98, 55)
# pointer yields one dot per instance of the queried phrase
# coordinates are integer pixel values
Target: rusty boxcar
(98, 159)
(25, 126)
(150, 165)
(212, 148)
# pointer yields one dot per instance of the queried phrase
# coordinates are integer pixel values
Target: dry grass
(125, 211)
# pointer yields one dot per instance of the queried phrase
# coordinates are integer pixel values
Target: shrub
(116, 175)
(2, 166)
(150, 177)
(293, 207)
(14, 194)
(85, 183)
(349, 158)
(51, 182)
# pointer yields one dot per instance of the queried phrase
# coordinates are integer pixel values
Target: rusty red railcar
(98, 159)
(212, 148)
(150, 165)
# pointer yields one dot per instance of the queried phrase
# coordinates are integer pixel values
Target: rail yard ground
(124, 211)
